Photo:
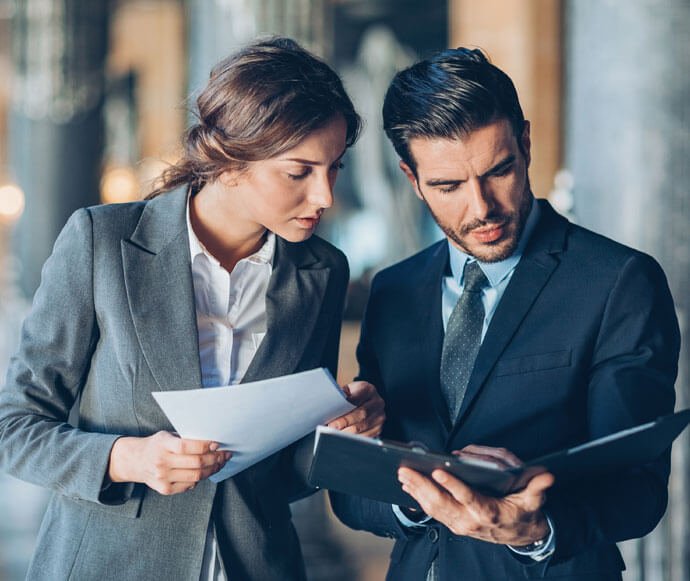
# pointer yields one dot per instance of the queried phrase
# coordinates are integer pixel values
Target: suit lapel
(293, 304)
(532, 273)
(160, 292)
(429, 318)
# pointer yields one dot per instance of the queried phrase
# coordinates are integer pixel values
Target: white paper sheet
(256, 419)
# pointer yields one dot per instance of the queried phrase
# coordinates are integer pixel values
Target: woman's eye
(301, 175)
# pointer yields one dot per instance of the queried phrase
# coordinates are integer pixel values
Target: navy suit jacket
(584, 342)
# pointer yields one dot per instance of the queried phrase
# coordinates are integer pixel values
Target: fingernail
(214, 446)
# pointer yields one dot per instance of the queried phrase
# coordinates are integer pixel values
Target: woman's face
(287, 194)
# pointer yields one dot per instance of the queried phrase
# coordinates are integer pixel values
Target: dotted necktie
(462, 340)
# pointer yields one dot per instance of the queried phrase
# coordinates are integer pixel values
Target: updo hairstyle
(258, 103)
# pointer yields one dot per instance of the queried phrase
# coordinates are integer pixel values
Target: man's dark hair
(448, 96)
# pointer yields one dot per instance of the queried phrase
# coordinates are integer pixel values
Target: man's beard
(514, 222)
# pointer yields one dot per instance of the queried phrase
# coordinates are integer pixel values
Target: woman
(176, 292)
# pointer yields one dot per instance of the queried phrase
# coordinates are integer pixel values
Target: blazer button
(432, 534)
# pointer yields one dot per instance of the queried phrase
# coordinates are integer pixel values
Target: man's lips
(487, 234)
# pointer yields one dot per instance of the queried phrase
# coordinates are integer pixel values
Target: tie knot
(475, 280)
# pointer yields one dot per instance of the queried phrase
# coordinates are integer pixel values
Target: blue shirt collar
(495, 272)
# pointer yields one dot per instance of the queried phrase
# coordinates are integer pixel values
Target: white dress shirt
(231, 322)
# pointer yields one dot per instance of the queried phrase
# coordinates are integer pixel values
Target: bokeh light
(11, 203)
(118, 185)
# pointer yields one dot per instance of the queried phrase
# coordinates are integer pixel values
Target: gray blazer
(113, 320)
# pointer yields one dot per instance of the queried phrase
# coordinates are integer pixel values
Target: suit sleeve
(357, 512)
(46, 376)
(631, 381)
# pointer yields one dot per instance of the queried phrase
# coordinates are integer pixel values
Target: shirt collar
(262, 256)
(495, 272)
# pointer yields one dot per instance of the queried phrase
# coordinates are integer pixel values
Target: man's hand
(368, 417)
(164, 462)
(515, 520)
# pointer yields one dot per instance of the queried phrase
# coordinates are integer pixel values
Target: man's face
(476, 188)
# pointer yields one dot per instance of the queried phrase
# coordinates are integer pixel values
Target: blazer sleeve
(631, 381)
(46, 376)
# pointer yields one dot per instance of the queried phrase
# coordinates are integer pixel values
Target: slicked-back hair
(258, 103)
(448, 96)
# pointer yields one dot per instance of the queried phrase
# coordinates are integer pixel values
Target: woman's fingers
(368, 417)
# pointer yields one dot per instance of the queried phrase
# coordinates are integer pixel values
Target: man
(518, 335)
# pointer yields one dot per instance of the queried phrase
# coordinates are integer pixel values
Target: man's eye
(337, 166)
(504, 171)
(448, 189)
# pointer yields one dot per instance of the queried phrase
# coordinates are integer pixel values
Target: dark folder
(368, 467)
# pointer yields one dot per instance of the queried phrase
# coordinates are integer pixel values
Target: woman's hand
(164, 462)
(368, 417)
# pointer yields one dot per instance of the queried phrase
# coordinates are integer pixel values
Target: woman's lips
(308, 222)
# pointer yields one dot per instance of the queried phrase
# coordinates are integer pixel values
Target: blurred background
(94, 100)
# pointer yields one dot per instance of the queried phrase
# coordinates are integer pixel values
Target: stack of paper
(256, 419)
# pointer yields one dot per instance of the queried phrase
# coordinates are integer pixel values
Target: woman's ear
(229, 178)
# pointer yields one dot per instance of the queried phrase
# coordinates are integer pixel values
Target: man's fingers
(424, 491)
(501, 456)
(458, 489)
(532, 497)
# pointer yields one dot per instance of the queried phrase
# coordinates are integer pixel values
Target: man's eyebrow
(501, 165)
(441, 182)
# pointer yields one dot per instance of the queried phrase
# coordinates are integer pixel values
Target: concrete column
(56, 125)
(627, 126)
(523, 38)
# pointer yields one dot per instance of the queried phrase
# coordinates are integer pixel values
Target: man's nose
(481, 200)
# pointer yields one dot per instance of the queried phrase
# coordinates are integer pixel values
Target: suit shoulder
(409, 268)
(116, 218)
(603, 253)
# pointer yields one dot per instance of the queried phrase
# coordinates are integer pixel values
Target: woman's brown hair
(258, 103)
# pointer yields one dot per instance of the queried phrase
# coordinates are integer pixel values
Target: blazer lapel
(160, 291)
(294, 301)
(429, 322)
(530, 276)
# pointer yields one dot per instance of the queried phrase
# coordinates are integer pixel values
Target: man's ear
(407, 170)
